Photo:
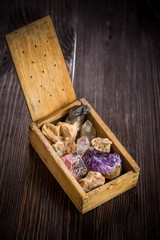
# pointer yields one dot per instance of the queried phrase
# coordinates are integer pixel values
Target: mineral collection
(91, 181)
(91, 153)
(109, 165)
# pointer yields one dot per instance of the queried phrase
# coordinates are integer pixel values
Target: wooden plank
(58, 114)
(41, 68)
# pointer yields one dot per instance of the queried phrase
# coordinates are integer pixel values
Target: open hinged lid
(40, 67)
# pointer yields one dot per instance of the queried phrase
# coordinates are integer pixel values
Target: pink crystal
(75, 164)
(82, 145)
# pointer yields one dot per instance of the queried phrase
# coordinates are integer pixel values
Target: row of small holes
(43, 72)
(33, 61)
(34, 45)
(50, 95)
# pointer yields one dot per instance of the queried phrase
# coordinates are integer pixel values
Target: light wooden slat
(41, 68)
(58, 114)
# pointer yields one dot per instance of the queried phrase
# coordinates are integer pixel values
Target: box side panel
(40, 67)
(57, 115)
(109, 190)
(104, 131)
(56, 166)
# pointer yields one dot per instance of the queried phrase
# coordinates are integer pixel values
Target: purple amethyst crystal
(108, 164)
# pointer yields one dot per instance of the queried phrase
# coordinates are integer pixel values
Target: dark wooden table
(112, 51)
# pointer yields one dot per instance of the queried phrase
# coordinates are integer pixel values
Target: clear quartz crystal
(88, 130)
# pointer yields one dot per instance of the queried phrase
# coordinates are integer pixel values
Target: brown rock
(52, 132)
(91, 181)
(62, 136)
(102, 144)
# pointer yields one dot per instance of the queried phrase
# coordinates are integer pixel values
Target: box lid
(40, 67)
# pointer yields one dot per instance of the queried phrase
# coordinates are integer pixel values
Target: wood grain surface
(112, 51)
(40, 67)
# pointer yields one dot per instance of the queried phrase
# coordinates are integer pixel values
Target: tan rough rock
(52, 132)
(91, 181)
(62, 136)
(101, 144)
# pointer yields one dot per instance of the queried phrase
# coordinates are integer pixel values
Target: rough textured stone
(110, 165)
(52, 132)
(77, 114)
(88, 130)
(82, 145)
(75, 164)
(101, 144)
(62, 136)
(91, 181)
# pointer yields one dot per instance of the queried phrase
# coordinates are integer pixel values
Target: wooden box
(49, 94)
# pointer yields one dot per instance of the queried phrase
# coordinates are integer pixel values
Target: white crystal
(88, 130)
